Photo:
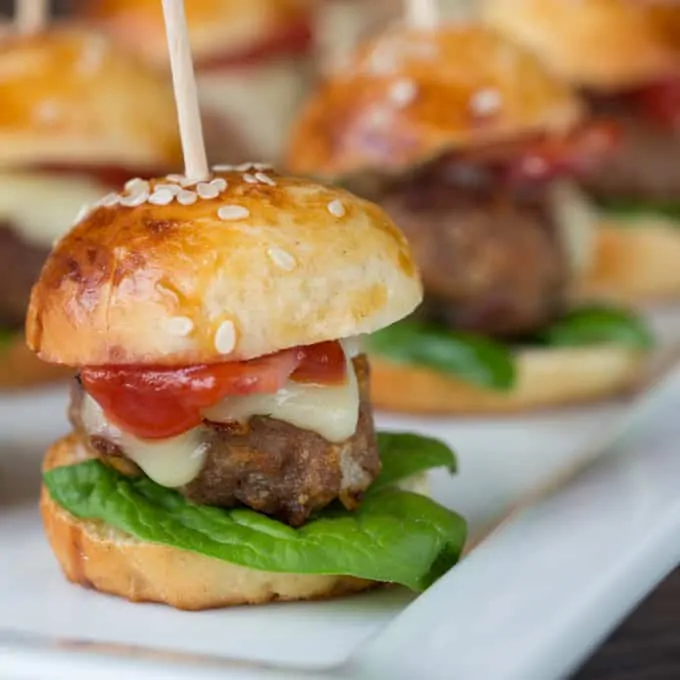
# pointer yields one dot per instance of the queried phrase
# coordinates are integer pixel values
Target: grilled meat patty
(490, 253)
(20, 265)
(645, 165)
(270, 465)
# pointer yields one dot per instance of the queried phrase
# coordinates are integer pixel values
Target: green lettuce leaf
(399, 463)
(596, 325)
(631, 208)
(5, 337)
(395, 536)
(472, 358)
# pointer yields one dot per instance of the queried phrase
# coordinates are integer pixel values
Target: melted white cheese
(43, 206)
(169, 462)
(331, 411)
(577, 223)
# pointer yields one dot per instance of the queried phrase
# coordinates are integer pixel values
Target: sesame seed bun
(636, 260)
(600, 44)
(270, 262)
(546, 378)
(410, 95)
(216, 27)
(98, 556)
(69, 97)
(19, 367)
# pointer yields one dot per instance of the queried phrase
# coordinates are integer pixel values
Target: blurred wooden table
(647, 646)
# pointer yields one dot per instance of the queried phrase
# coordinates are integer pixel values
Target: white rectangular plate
(505, 604)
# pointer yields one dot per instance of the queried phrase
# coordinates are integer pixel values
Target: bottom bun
(19, 367)
(96, 555)
(550, 377)
(633, 262)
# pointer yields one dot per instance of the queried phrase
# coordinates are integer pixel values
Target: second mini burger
(472, 148)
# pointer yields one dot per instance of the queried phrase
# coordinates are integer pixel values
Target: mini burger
(223, 449)
(472, 148)
(77, 118)
(251, 59)
(625, 58)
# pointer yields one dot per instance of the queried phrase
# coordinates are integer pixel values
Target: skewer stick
(186, 97)
(422, 13)
(31, 15)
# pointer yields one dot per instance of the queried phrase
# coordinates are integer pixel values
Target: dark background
(647, 646)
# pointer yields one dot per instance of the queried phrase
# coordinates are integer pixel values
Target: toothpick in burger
(473, 149)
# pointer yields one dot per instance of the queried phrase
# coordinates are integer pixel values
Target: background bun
(410, 95)
(271, 262)
(217, 27)
(98, 556)
(546, 378)
(68, 97)
(19, 367)
(602, 44)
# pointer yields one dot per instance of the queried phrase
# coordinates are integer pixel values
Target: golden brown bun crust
(216, 27)
(68, 97)
(98, 556)
(19, 367)
(546, 378)
(410, 95)
(172, 284)
(635, 262)
(602, 44)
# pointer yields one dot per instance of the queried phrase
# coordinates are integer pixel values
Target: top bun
(216, 27)
(269, 262)
(601, 44)
(69, 98)
(410, 95)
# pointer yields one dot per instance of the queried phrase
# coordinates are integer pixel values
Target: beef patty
(645, 165)
(20, 265)
(490, 253)
(270, 465)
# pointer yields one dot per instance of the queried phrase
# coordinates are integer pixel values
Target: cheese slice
(169, 462)
(43, 206)
(331, 411)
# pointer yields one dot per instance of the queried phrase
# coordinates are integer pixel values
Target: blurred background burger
(624, 56)
(475, 149)
(78, 117)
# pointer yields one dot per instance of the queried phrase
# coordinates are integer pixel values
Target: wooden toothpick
(31, 15)
(186, 97)
(422, 13)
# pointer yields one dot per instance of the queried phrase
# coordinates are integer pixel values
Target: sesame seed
(133, 200)
(225, 337)
(336, 208)
(47, 111)
(109, 200)
(281, 258)
(180, 326)
(220, 183)
(178, 179)
(486, 101)
(136, 185)
(207, 191)
(224, 168)
(174, 189)
(263, 166)
(244, 167)
(161, 197)
(188, 182)
(250, 179)
(233, 212)
(403, 92)
(185, 197)
(91, 58)
(265, 179)
(83, 213)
